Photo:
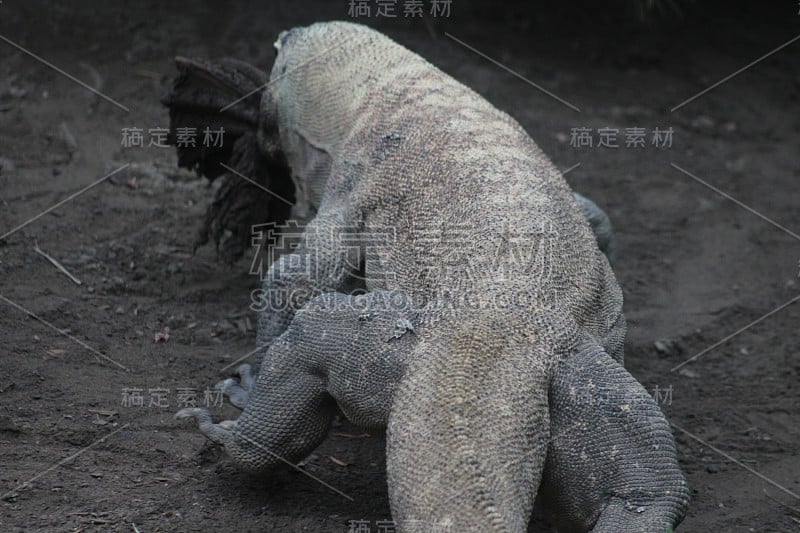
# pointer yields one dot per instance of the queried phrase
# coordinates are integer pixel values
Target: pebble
(667, 347)
(703, 122)
(7, 165)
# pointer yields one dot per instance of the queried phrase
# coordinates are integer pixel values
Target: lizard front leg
(319, 264)
(349, 350)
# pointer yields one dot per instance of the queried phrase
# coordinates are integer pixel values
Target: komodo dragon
(488, 337)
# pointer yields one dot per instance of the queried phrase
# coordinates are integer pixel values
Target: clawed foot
(220, 433)
(238, 391)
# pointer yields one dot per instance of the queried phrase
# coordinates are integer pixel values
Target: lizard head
(295, 113)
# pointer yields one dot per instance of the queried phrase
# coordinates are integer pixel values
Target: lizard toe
(246, 376)
(237, 395)
(220, 433)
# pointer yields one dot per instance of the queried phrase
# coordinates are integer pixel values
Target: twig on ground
(776, 500)
(56, 263)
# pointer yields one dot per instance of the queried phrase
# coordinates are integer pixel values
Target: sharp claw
(229, 425)
(219, 433)
(245, 373)
(193, 412)
(236, 391)
(224, 384)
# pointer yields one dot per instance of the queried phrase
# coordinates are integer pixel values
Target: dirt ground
(695, 267)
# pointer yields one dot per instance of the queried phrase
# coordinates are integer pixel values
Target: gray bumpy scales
(489, 333)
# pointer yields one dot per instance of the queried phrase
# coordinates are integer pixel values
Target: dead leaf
(163, 335)
(55, 352)
(132, 183)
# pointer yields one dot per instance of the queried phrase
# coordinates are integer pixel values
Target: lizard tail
(468, 429)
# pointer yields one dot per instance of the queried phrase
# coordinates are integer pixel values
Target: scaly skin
(489, 342)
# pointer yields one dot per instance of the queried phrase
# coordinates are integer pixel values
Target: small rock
(16, 92)
(735, 165)
(7, 165)
(667, 347)
(712, 468)
(8, 426)
(703, 122)
(689, 373)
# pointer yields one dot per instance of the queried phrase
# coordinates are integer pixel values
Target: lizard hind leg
(601, 226)
(611, 464)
